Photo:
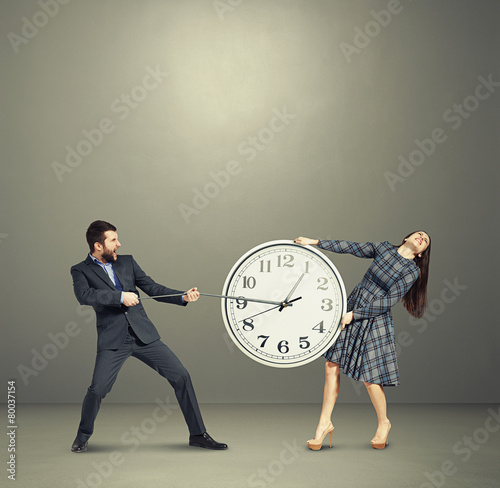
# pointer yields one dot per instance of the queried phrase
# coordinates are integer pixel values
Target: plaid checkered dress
(365, 349)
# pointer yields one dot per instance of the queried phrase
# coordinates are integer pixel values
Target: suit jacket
(92, 286)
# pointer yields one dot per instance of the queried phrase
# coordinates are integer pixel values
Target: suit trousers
(156, 355)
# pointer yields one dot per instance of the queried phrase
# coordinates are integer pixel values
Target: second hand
(269, 309)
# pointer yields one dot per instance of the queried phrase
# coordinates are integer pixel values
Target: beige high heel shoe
(381, 443)
(316, 444)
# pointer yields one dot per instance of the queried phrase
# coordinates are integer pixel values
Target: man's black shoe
(204, 440)
(79, 446)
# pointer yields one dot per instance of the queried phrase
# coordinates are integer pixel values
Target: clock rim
(227, 322)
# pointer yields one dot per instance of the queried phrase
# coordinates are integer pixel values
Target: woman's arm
(383, 304)
(306, 241)
(359, 249)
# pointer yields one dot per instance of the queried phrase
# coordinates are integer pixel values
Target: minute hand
(286, 302)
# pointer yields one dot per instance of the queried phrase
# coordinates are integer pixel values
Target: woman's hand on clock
(346, 319)
(306, 241)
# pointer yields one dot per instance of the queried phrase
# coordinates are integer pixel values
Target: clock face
(277, 271)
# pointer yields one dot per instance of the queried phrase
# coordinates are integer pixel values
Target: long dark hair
(415, 300)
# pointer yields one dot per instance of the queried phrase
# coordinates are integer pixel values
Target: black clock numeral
(241, 303)
(307, 267)
(323, 284)
(249, 282)
(319, 327)
(248, 325)
(328, 304)
(283, 345)
(265, 266)
(286, 261)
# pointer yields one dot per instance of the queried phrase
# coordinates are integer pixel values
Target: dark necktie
(117, 281)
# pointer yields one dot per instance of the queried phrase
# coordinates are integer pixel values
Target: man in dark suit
(109, 283)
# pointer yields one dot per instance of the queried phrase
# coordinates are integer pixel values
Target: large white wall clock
(292, 301)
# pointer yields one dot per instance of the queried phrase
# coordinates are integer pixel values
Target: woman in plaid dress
(365, 349)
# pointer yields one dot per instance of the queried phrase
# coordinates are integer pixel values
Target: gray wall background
(357, 103)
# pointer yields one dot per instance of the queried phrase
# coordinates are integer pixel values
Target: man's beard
(107, 254)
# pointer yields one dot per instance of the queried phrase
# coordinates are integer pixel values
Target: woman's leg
(377, 396)
(330, 394)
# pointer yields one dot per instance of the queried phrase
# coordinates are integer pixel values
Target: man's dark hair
(95, 233)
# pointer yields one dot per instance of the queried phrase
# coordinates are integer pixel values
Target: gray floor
(146, 446)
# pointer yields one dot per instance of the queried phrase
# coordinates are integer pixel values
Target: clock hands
(283, 304)
(286, 302)
(260, 313)
(257, 300)
(273, 308)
